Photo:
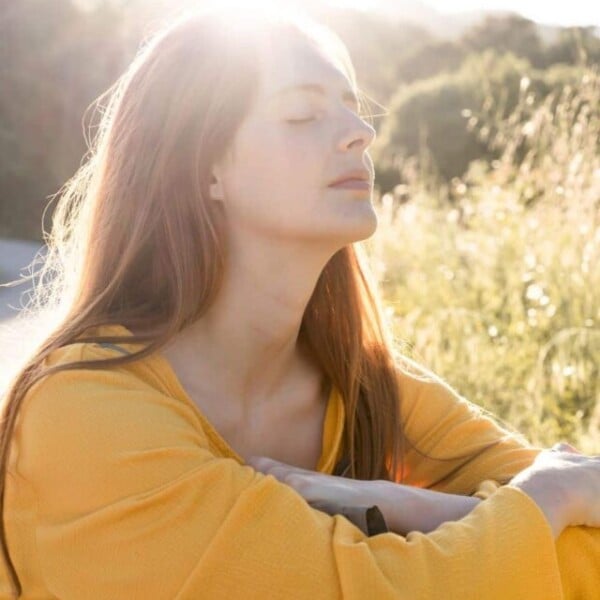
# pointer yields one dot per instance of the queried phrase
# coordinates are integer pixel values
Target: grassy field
(493, 281)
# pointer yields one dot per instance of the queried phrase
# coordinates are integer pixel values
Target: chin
(365, 216)
(363, 225)
(368, 233)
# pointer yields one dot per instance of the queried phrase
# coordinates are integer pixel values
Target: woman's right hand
(565, 484)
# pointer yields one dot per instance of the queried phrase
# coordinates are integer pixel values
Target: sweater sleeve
(134, 503)
(468, 452)
(478, 457)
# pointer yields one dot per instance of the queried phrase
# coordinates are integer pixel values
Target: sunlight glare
(255, 8)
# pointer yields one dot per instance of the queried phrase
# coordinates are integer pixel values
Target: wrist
(396, 502)
(407, 508)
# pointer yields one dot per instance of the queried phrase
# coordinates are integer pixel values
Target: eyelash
(300, 121)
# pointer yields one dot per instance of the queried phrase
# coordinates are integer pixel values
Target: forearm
(407, 508)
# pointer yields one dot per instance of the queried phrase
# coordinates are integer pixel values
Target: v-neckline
(333, 424)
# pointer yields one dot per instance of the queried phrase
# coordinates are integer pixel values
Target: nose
(359, 135)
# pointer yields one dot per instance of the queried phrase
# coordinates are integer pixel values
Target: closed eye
(308, 119)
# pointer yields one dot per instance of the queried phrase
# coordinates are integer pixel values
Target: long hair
(136, 239)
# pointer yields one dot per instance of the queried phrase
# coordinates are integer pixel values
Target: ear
(216, 189)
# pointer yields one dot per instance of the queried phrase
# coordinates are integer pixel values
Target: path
(15, 258)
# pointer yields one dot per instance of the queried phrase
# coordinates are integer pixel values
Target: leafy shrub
(429, 115)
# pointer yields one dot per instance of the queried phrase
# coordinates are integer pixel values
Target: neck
(245, 347)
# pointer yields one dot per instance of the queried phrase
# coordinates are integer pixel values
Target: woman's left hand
(316, 488)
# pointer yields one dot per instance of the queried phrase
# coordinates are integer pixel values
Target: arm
(395, 507)
(407, 508)
(444, 424)
(133, 503)
(472, 454)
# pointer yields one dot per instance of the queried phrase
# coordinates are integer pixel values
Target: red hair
(135, 239)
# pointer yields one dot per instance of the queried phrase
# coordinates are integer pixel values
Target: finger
(255, 460)
(262, 463)
(267, 467)
(565, 447)
(266, 463)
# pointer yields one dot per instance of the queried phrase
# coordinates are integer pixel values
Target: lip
(352, 179)
(351, 184)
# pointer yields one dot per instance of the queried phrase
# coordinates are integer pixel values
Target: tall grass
(493, 280)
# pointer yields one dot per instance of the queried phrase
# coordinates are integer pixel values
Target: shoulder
(67, 369)
(415, 379)
(428, 396)
(413, 373)
(101, 403)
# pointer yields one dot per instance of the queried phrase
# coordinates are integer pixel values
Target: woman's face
(275, 181)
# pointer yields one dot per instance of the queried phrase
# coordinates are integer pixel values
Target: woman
(216, 325)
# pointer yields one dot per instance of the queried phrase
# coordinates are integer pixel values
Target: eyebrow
(315, 88)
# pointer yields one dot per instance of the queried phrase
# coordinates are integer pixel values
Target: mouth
(358, 178)
(351, 184)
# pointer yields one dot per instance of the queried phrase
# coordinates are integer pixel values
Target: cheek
(304, 158)
(276, 164)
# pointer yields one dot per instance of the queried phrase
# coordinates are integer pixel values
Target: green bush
(429, 115)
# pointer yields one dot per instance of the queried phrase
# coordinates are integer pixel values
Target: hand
(565, 484)
(564, 447)
(316, 488)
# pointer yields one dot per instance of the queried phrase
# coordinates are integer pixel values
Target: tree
(511, 33)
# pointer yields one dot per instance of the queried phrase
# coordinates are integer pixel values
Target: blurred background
(487, 179)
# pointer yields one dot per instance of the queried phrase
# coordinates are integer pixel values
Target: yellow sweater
(119, 488)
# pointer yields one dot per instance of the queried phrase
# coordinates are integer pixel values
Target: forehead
(293, 60)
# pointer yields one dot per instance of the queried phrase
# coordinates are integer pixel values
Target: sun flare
(255, 8)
